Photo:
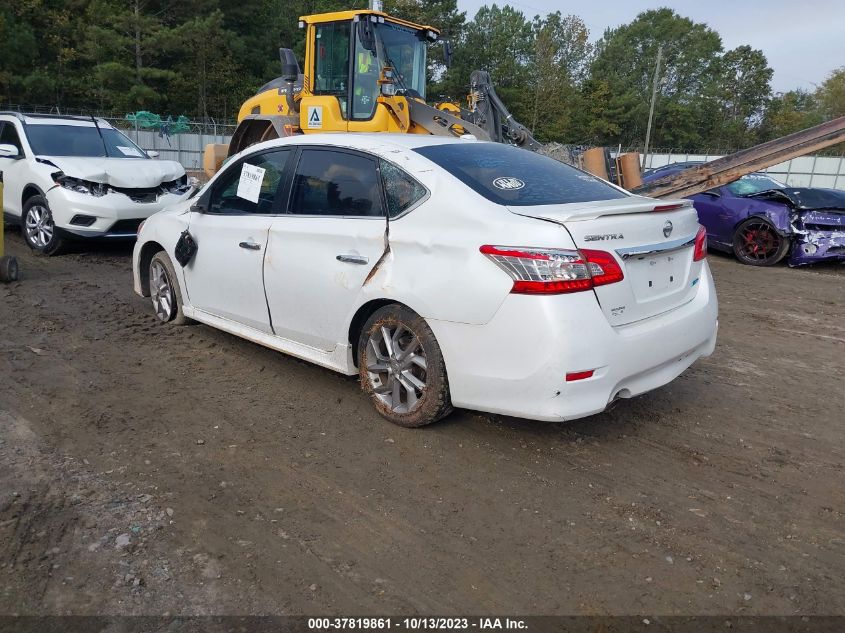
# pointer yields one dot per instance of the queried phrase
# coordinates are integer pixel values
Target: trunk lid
(654, 249)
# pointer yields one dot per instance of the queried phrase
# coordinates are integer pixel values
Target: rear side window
(517, 177)
(402, 191)
(334, 183)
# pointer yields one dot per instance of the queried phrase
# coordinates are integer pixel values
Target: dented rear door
(322, 250)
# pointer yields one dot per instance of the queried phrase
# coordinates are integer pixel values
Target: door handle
(250, 246)
(353, 259)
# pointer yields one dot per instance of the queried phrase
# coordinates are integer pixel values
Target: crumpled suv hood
(130, 173)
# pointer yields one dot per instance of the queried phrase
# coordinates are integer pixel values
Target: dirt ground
(150, 470)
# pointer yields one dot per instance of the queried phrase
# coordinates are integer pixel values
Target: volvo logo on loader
(315, 117)
(667, 229)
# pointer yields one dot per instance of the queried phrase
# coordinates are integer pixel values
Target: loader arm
(489, 112)
(729, 168)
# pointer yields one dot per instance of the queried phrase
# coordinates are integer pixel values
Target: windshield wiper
(102, 140)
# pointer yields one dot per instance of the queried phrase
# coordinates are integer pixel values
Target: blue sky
(803, 40)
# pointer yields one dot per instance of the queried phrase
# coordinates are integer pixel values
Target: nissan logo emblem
(667, 229)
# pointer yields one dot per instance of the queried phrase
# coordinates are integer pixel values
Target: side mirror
(290, 67)
(9, 151)
(152, 153)
(366, 35)
(713, 193)
(447, 53)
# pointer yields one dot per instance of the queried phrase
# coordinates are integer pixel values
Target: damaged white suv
(69, 177)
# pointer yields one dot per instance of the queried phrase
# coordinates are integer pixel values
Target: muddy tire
(757, 243)
(39, 230)
(8, 268)
(165, 293)
(401, 367)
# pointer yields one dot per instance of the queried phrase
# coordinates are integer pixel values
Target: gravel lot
(150, 470)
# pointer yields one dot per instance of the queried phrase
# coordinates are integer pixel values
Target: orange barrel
(628, 167)
(593, 162)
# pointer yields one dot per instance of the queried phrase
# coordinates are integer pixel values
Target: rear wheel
(39, 229)
(757, 243)
(402, 369)
(164, 291)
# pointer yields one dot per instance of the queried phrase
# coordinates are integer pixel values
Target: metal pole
(653, 99)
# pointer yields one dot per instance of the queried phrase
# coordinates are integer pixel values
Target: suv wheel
(38, 227)
(401, 367)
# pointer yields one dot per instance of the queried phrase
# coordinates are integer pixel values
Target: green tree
(741, 91)
(499, 41)
(625, 62)
(831, 94)
(558, 64)
(789, 112)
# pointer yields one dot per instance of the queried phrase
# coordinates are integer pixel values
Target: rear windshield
(80, 140)
(517, 177)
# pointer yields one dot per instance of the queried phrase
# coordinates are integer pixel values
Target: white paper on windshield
(129, 151)
(250, 183)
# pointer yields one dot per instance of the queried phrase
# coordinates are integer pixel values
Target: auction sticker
(508, 183)
(129, 151)
(249, 185)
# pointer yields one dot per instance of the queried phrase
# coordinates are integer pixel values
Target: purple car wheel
(757, 243)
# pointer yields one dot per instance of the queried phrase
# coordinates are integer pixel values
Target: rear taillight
(700, 250)
(554, 271)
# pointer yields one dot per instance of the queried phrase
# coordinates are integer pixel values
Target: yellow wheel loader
(365, 71)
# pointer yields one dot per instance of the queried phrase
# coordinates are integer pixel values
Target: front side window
(248, 190)
(405, 51)
(401, 190)
(513, 176)
(332, 66)
(335, 184)
(80, 140)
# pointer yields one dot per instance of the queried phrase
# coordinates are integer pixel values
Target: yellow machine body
(387, 111)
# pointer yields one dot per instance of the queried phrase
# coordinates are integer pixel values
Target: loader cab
(358, 58)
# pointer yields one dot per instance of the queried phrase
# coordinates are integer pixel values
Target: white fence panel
(804, 171)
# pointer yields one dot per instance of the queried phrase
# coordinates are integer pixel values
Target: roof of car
(55, 118)
(358, 140)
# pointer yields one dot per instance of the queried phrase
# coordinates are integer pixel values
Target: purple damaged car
(762, 220)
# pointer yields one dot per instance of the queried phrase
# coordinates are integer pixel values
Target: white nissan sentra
(444, 272)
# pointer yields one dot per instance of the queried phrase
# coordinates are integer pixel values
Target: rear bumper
(517, 363)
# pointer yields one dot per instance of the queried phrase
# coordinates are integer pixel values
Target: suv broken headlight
(78, 185)
(179, 186)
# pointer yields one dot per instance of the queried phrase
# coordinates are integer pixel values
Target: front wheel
(164, 290)
(401, 367)
(39, 229)
(757, 243)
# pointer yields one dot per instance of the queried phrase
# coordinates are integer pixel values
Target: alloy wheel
(39, 226)
(396, 367)
(161, 292)
(758, 241)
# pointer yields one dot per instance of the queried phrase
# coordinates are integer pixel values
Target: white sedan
(444, 272)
